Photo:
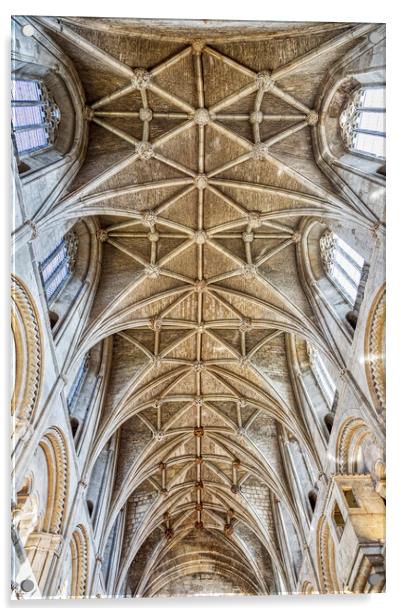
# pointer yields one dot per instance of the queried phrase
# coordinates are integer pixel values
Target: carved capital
(145, 114)
(149, 218)
(157, 361)
(198, 45)
(264, 81)
(88, 114)
(312, 118)
(199, 366)
(200, 237)
(247, 236)
(102, 235)
(256, 117)
(241, 432)
(199, 285)
(249, 271)
(152, 271)
(254, 219)
(201, 181)
(328, 246)
(201, 116)
(141, 79)
(245, 324)
(34, 230)
(83, 484)
(144, 150)
(244, 362)
(260, 151)
(153, 236)
(155, 324)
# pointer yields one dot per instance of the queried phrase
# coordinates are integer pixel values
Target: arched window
(78, 383)
(75, 424)
(312, 499)
(342, 264)
(90, 506)
(329, 422)
(322, 376)
(58, 266)
(34, 116)
(363, 122)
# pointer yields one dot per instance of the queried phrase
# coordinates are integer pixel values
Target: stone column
(42, 548)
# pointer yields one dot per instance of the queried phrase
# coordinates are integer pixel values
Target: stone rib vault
(201, 172)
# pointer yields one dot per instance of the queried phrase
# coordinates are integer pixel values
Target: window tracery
(342, 264)
(363, 122)
(81, 386)
(58, 266)
(78, 383)
(322, 376)
(35, 116)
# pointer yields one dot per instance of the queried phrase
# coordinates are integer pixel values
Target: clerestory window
(363, 122)
(34, 116)
(322, 376)
(342, 264)
(78, 383)
(58, 266)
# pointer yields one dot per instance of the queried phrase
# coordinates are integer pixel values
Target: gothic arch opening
(201, 401)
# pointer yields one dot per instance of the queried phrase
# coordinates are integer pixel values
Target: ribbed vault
(200, 192)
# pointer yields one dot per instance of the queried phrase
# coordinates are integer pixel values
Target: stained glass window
(58, 266)
(34, 116)
(342, 263)
(78, 382)
(322, 376)
(363, 122)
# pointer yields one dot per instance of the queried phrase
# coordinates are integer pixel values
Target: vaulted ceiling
(200, 167)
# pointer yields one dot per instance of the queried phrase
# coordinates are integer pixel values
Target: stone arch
(374, 350)
(79, 552)
(25, 511)
(51, 67)
(28, 357)
(328, 301)
(82, 248)
(326, 558)
(51, 520)
(307, 588)
(353, 435)
(352, 72)
(54, 447)
(40, 508)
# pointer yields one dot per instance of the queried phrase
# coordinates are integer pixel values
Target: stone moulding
(375, 350)
(28, 348)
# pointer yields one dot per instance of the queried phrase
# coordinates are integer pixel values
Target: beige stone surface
(198, 165)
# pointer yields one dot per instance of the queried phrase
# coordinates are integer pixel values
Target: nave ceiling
(201, 170)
